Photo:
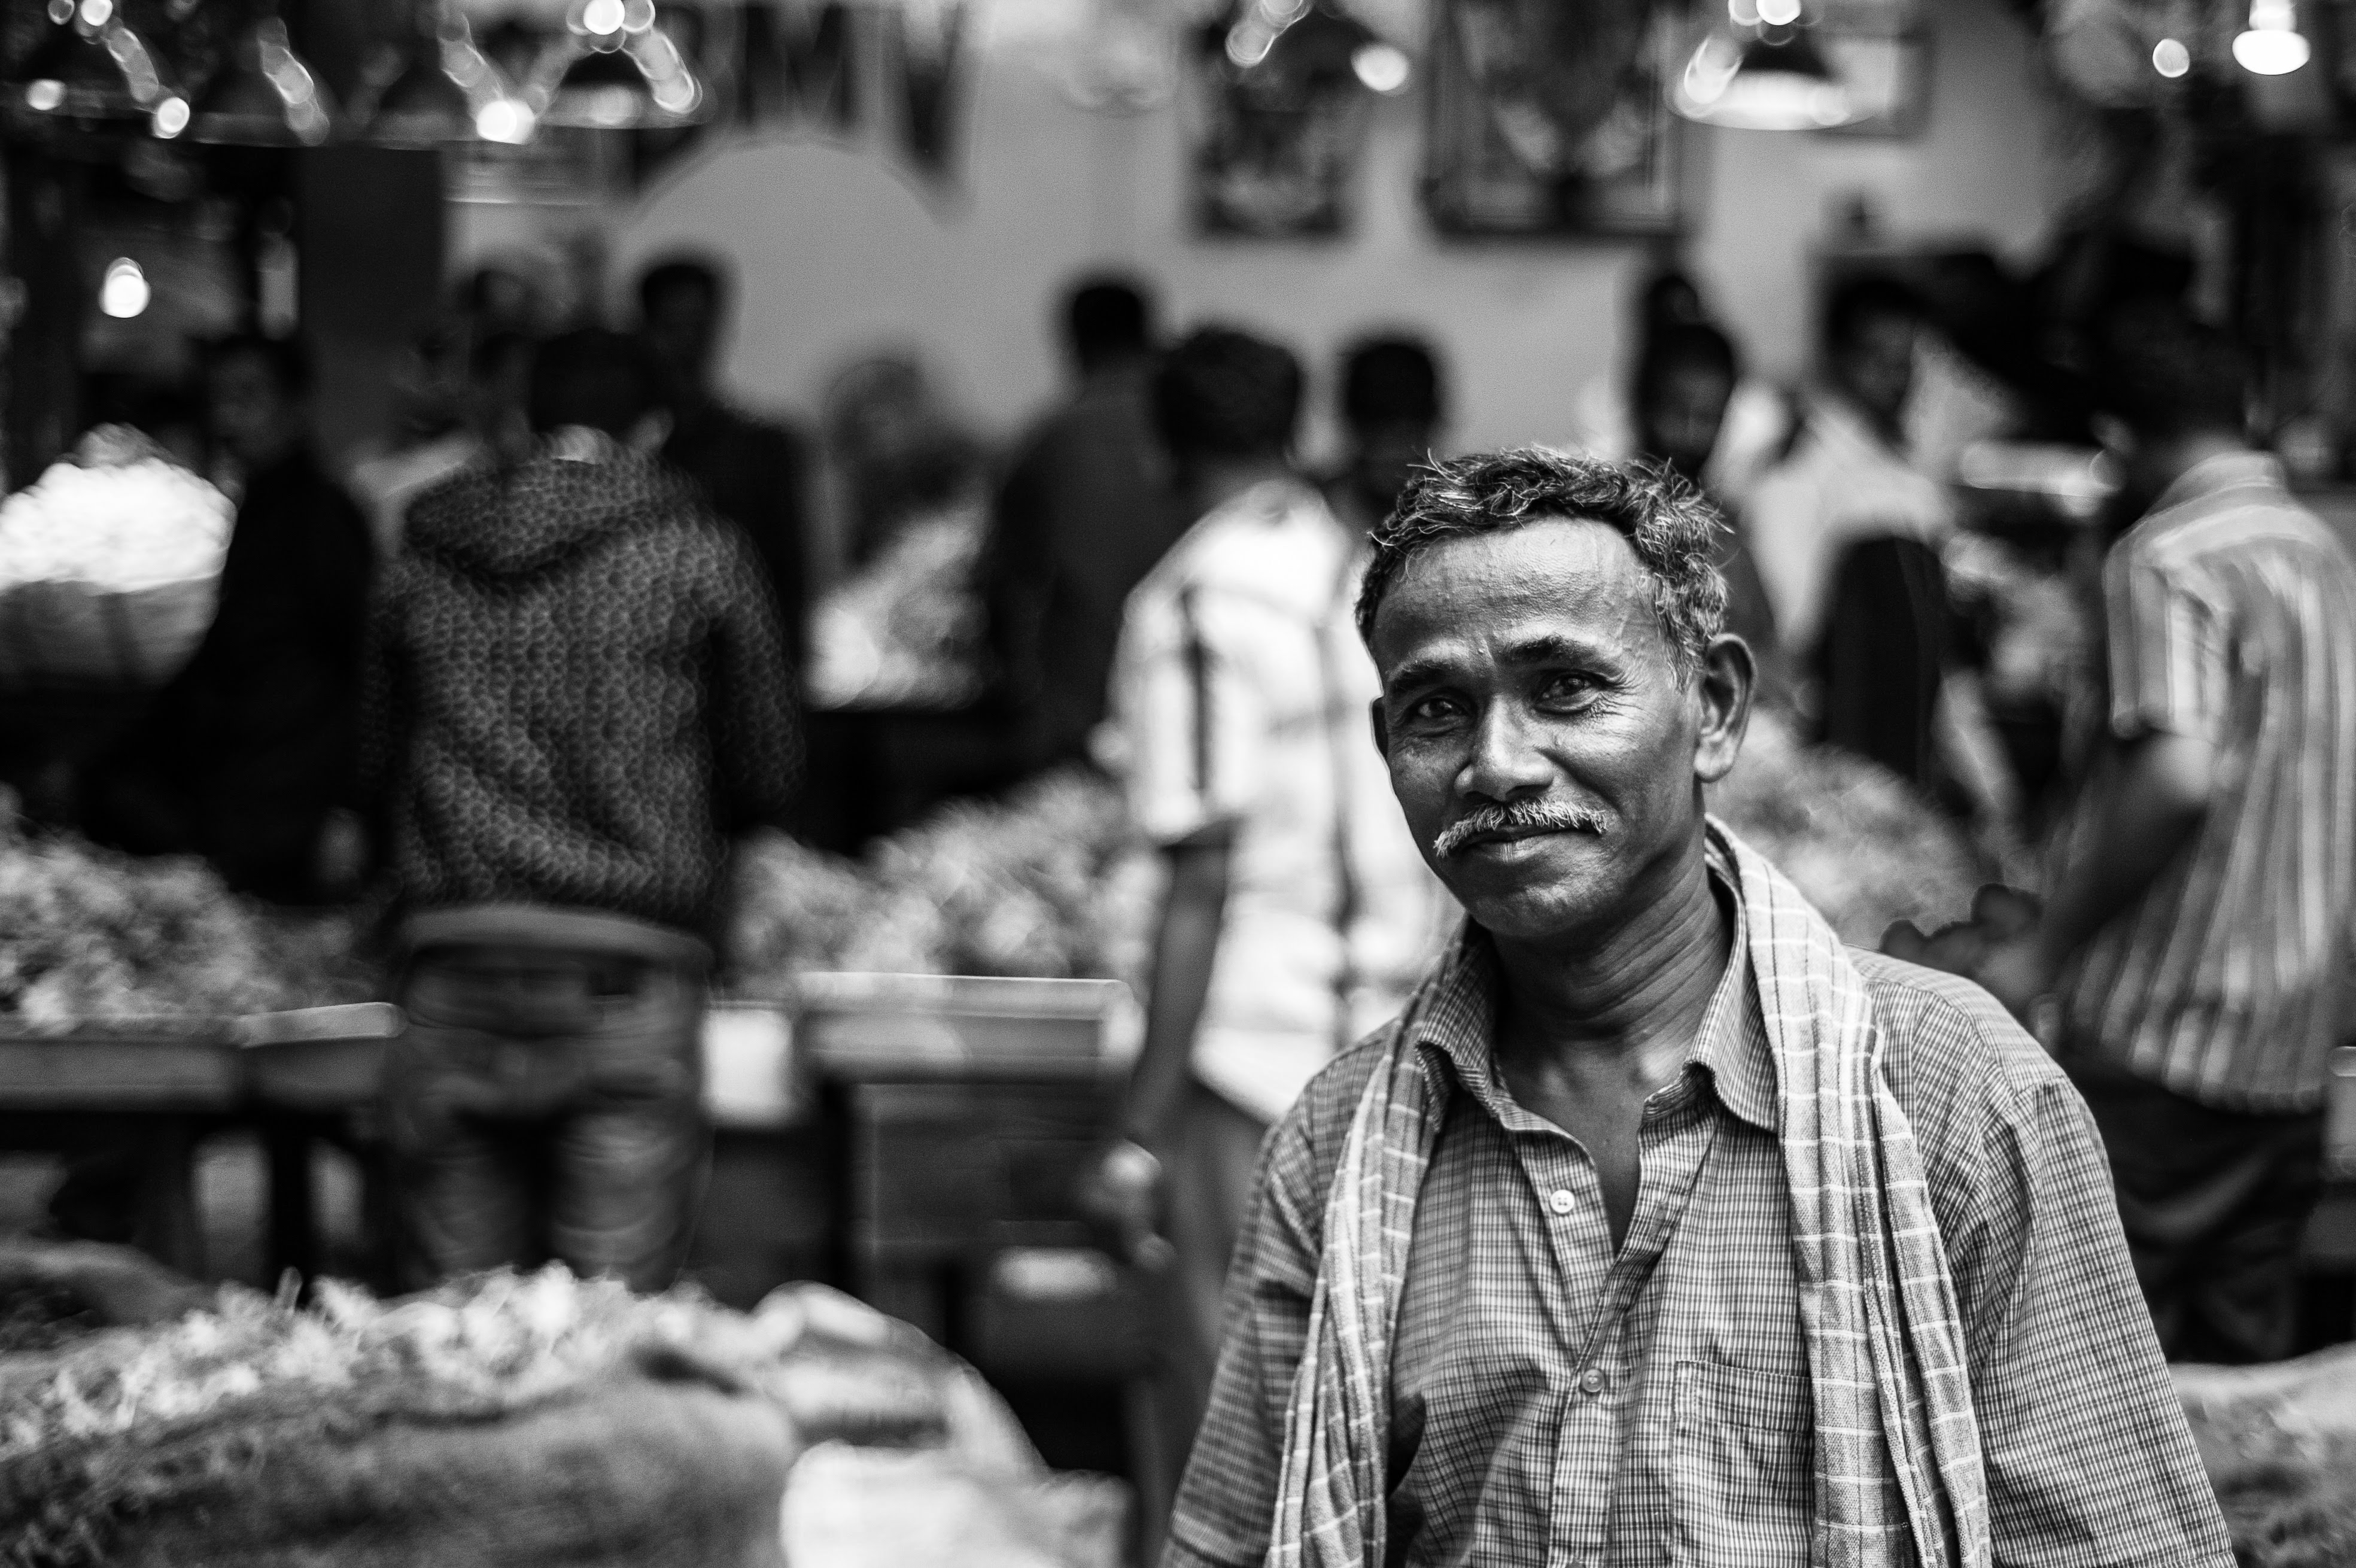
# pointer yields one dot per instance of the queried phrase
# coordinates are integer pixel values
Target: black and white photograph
(1177, 783)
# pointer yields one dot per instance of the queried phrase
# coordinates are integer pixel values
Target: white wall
(838, 253)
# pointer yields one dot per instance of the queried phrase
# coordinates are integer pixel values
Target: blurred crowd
(583, 619)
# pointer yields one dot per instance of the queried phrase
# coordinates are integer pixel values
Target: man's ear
(1382, 728)
(1722, 690)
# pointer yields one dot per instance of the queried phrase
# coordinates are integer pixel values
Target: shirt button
(1591, 1381)
(1562, 1200)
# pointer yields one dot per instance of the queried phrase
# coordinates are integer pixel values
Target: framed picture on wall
(1548, 119)
(1881, 51)
(1276, 128)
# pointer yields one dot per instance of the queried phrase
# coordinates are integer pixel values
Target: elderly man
(1660, 1228)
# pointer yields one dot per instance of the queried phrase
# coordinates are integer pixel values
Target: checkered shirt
(1557, 1400)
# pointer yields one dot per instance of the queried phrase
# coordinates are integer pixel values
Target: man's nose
(1505, 761)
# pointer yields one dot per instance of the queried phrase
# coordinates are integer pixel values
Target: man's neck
(1214, 483)
(1886, 427)
(2185, 453)
(1636, 993)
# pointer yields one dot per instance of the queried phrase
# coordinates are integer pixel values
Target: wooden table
(152, 1090)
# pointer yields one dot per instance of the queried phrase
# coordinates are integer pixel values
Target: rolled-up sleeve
(2170, 662)
(2088, 1460)
(1228, 1500)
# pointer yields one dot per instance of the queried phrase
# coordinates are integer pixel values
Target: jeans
(546, 1104)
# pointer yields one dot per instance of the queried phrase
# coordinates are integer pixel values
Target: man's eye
(1568, 689)
(1431, 711)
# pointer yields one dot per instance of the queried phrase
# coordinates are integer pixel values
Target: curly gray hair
(1673, 530)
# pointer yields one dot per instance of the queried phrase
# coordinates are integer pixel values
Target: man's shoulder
(1281, 550)
(2237, 523)
(1956, 1060)
(1306, 1147)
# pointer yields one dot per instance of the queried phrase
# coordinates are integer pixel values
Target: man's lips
(1511, 835)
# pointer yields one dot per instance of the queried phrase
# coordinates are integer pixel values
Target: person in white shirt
(1747, 427)
(1846, 531)
(1848, 476)
(1299, 913)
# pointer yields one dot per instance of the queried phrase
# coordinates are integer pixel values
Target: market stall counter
(151, 1091)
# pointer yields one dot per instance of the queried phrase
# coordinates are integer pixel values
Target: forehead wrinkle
(1583, 570)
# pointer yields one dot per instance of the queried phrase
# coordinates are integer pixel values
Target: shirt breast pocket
(1743, 1485)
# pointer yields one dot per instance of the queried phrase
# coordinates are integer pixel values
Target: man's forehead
(1575, 575)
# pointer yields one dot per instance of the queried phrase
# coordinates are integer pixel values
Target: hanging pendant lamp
(615, 70)
(90, 64)
(1761, 72)
(444, 89)
(264, 96)
(2272, 44)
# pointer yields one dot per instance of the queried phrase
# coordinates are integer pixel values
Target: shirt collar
(583, 444)
(1458, 1022)
(1840, 423)
(2215, 476)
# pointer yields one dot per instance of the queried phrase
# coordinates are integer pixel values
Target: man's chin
(1527, 888)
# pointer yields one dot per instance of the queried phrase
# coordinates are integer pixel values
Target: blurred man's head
(1669, 298)
(1226, 401)
(256, 392)
(1871, 328)
(1682, 386)
(1108, 321)
(2176, 390)
(681, 303)
(1394, 403)
(593, 378)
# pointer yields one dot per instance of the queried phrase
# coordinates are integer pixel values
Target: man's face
(1682, 412)
(251, 415)
(1383, 451)
(1545, 755)
(680, 328)
(1875, 364)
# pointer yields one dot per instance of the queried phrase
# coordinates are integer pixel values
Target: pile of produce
(120, 516)
(908, 631)
(89, 936)
(108, 565)
(504, 1419)
(1041, 885)
(1865, 849)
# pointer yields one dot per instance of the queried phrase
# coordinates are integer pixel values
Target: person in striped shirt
(2196, 936)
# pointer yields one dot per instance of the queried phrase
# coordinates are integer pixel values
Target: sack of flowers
(2279, 1444)
(505, 1421)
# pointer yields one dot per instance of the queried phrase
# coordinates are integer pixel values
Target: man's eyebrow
(1558, 648)
(1417, 673)
(1546, 647)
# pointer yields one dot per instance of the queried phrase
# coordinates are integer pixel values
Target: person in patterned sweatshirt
(576, 695)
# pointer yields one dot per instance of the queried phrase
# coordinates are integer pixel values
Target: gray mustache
(1516, 816)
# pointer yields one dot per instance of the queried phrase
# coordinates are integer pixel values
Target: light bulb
(2272, 44)
(125, 293)
(1381, 68)
(508, 121)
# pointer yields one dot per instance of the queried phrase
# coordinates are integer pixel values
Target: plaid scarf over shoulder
(1897, 1474)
